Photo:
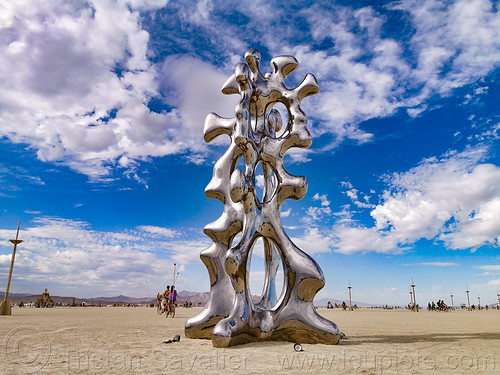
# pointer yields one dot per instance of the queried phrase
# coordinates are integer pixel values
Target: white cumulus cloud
(77, 77)
(454, 199)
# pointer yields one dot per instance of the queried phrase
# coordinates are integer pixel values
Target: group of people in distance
(440, 306)
(169, 300)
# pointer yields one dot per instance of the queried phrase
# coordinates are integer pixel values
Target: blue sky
(102, 105)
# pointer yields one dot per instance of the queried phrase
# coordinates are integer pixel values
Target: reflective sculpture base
(293, 330)
(259, 140)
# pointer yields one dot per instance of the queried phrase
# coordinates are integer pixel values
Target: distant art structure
(45, 300)
(230, 316)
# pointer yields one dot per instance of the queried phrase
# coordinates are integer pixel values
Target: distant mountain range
(182, 296)
(16, 294)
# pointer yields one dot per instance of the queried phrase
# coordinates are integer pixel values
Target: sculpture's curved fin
(252, 57)
(284, 65)
(309, 86)
(230, 86)
(216, 125)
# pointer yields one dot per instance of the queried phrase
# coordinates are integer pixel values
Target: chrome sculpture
(230, 316)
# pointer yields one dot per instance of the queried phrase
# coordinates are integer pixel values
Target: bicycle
(159, 309)
(170, 308)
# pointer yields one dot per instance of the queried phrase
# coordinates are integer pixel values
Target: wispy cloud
(315, 213)
(72, 255)
(490, 269)
(354, 196)
(373, 71)
(313, 241)
(286, 213)
(165, 232)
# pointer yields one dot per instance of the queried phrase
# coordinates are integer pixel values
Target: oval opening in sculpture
(264, 182)
(283, 119)
(236, 239)
(240, 164)
(265, 275)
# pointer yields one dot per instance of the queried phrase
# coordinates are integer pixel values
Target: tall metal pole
(415, 308)
(468, 301)
(411, 300)
(451, 295)
(175, 267)
(5, 306)
(498, 296)
(350, 302)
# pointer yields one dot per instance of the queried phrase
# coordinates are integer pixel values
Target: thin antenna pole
(350, 303)
(175, 268)
(468, 300)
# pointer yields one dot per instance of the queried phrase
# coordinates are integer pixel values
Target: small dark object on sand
(343, 336)
(175, 339)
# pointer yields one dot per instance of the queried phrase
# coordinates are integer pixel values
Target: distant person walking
(164, 300)
(172, 299)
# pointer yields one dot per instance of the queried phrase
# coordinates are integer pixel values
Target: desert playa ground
(121, 340)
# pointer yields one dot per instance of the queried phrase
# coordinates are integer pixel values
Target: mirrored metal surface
(259, 137)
